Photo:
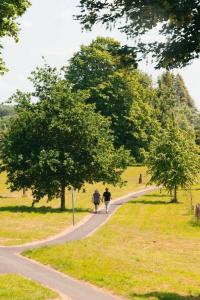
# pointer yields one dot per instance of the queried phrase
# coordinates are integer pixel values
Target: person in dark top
(107, 197)
(96, 200)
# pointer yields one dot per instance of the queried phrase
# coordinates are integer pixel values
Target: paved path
(12, 262)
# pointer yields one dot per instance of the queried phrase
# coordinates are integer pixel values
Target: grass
(149, 250)
(14, 287)
(19, 223)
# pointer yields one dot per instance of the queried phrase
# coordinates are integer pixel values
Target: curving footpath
(12, 262)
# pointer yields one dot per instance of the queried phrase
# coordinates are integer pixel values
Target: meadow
(18, 288)
(20, 223)
(149, 250)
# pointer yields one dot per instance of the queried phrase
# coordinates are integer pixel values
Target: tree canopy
(59, 141)
(178, 22)
(107, 71)
(173, 160)
(10, 10)
(174, 101)
(135, 106)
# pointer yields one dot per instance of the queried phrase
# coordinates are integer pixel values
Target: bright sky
(48, 29)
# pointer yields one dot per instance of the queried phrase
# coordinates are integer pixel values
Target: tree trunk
(62, 197)
(24, 192)
(175, 200)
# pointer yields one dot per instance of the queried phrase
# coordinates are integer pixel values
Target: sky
(48, 30)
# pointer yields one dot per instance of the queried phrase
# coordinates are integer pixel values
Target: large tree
(10, 10)
(119, 91)
(94, 63)
(173, 160)
(178, 22)
(59, 142)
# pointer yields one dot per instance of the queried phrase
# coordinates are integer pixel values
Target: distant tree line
(6, 113)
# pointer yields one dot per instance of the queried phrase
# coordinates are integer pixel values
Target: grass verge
(18, 288)
(148, 250)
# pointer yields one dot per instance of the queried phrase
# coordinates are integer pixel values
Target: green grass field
(149, 250)
(14, 287)
(19, 223)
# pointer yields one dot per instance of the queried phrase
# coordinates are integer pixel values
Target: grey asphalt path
(12, 262)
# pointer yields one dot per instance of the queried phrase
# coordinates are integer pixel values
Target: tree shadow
(149, 202)
(156, 195)
(7, 197)
(40, 210)
(164, 296)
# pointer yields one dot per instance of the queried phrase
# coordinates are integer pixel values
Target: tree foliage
(7, 112)
(10, 10)
(108, 72)
(178, 22)
(96, 62)
(173, 160)
(136, 108)
(59, 141)
(175, 103)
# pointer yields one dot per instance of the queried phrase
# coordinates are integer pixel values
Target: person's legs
(107, 205)
(96, 208)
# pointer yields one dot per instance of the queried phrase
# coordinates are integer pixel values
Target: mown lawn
(150, 249)
(19, 223)
(14, 287)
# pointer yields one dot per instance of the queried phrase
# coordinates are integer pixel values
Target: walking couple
(96, 199)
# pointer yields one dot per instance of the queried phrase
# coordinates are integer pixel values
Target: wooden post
(62, 197)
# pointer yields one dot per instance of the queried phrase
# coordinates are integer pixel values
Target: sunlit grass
(148, 250)
(19, 223)
(14, 287)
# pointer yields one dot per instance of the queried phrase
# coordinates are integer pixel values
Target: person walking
(107, 197)
(96, 200)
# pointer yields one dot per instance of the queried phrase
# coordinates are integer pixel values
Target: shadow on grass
(195, 223)
(156, 195)
(164, 296)
(195, 189)
(8, 197)
(39, 210)
(157, 202)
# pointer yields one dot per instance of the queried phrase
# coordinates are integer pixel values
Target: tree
(197, 128)
(178, 22)
(183, 93)
(93, 64)
(173, 161)
(167, 99)
(107, 71)
(144, 126)
(59, 142)
(175, 103)
(10, 10)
